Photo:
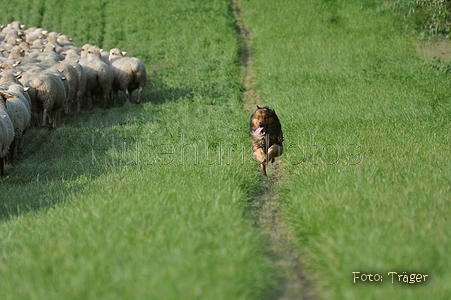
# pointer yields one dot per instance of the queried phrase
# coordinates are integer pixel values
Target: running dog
(266, 136)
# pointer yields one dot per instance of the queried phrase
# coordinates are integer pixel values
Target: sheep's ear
(123, 53)
(258, 107)
(26, 88)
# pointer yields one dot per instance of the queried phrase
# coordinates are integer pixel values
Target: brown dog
(266, 136)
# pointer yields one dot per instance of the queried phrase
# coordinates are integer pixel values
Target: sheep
(10, 76)
(19, 113)
(65, 43)
(54, 49)
(9, 64)
(73, 82)
(98, 76)
(35, 104)
(64, 40)
(21, 92)
(30, 37)
(72, 58)
(72, 54)
(66, 84)
(37, 44)
(13, 37)
(84, 49)
(49, 91)
(16, 52)
(129, 74)
(6, 134)
(17, 25)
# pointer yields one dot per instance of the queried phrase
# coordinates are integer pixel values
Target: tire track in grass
(266, 209)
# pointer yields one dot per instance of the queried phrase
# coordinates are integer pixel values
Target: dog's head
(262, 119)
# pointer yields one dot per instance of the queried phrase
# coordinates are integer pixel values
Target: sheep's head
(116, 53)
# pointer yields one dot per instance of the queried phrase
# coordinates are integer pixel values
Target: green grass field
(139, 202)
(152, 201)
(367, 123)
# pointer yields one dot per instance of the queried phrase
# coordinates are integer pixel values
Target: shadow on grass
(58, 163)
(159, 91)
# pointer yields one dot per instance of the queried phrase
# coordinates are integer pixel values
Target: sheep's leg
(105, 100)
(45, 116)
(140, 91)
(67, 107)
(56, 117)
(79, 99)
(20, 146)
(13, 149)
(44, 119)
(36, 119)
(114, 96)
(127, 96)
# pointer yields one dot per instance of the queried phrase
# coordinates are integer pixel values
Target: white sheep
(73, 81)
(19, 113)
(129, 74)
(9, 77)
(16, 52)
(72, 54)
(73, 59)
(98, 75)
(6, 134)
(50, 92)
(35, 104)
(21, 92)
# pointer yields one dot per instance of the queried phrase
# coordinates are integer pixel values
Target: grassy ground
(366, 168)
(138, 202)
(148, 201)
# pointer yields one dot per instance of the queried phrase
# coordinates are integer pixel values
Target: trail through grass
(367, 135)
(139, 201)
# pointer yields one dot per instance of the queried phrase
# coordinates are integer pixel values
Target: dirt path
(266, 209)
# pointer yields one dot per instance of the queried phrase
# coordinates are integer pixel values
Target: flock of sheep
(43, 74)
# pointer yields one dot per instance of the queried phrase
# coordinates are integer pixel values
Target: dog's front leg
(274, 151)
(260, 155)
(263, 166)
